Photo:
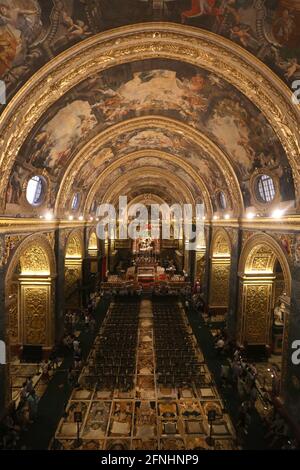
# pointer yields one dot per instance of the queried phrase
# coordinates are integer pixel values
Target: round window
(222, 202)
(75, 202)
(265, 188)
(35, 190)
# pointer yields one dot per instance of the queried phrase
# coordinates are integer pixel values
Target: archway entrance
(29, 302)
(265, 289)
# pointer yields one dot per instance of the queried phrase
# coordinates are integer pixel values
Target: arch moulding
(151, 40)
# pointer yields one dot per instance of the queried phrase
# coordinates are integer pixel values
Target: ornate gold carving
(36, 307)
(270, 251)
(221, 244)
(261, 260)
(93, 244)
(32, 241)
(34, 260)
(104, 138)
(74, 246)
(9, 243)
(219, 285)
(257, 313)
(146, 41)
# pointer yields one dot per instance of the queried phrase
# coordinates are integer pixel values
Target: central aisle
(156, 408)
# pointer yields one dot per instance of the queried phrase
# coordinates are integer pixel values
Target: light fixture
(48, 216)
(91, 219)
(80, 217)
(97, 220)
(277, 213)
(250, 215)
(227, 216)
(215, 217)
(71, 217)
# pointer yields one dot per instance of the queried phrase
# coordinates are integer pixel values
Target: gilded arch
(29, 292)
(127, 44)
(270, 251)
(152, 153)
(74, 245)
(221, 243)
(257, 294)
(112, 194)
(29, 243)
(151, 122)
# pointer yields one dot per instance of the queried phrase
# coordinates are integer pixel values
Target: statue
(279, 312)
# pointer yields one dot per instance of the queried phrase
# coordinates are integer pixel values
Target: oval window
(35, 190)
(265, 188)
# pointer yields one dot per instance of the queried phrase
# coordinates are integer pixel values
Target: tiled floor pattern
(147, 417)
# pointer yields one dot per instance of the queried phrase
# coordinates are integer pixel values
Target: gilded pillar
(219, 282)
(74, 254)
(73, 282)
(36, 312)
(206, 278)
(233, 283)
(60, 246)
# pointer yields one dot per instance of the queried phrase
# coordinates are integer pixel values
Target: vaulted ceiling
(159, 109)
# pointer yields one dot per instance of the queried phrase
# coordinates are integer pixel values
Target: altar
(146, 274)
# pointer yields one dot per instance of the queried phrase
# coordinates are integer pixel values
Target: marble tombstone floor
(19, 372)
(148, 417)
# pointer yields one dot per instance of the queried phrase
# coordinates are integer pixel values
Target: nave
(145, 386)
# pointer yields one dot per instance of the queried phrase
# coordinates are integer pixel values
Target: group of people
(76, 319)
(241, 375)
(23, 412)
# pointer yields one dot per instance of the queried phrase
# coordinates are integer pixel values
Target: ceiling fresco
(159, 87)
(32, 32)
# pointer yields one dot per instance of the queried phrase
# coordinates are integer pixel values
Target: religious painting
(20, 26)
(158, 87)
(53, 144)
(34, 31)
